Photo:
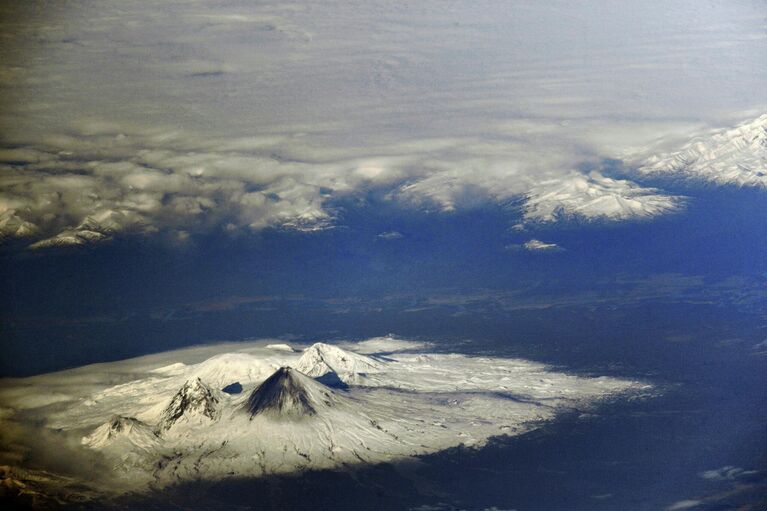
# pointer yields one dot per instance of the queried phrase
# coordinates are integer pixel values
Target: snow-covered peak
(290, 394)
(227, 368)
(594, 196)
(320, 359)
(11, 225)
(733, 156)
(123, 432)
(195, 400)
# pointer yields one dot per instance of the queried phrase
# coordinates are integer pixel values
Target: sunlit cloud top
(185, 116)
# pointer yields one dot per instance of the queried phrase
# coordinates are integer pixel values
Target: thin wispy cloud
(684, 504)
(727, 473)
(390, 235)
(541, 246)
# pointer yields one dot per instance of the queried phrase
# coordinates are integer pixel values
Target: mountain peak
(122, 430)
(734, 156)
(226, 368)
(289, 393)
(194, 399)
(320, 359)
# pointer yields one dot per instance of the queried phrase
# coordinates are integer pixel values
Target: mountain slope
(122, 432)
(735, 156)
(289, 394)
(320, 359)
(405, 405)
(227, 368)
(195, 401)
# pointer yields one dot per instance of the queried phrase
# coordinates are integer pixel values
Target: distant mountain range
(736, 156)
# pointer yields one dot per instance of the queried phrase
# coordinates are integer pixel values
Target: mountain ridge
(194, 399)
(736, 156)
(320, 359)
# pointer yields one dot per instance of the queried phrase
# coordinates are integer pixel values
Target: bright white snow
(595, 196)
(320, 359)
(736, 156)
(156, 421)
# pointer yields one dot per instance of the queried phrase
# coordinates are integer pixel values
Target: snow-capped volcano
(169, 426)
(320, 359)
(193, 402)
(289, 394)
(228, 368)
(733, 156)
(124, 433)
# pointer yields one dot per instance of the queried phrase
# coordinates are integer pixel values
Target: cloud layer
(102, 179)
(85, 187)
(188, 116)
